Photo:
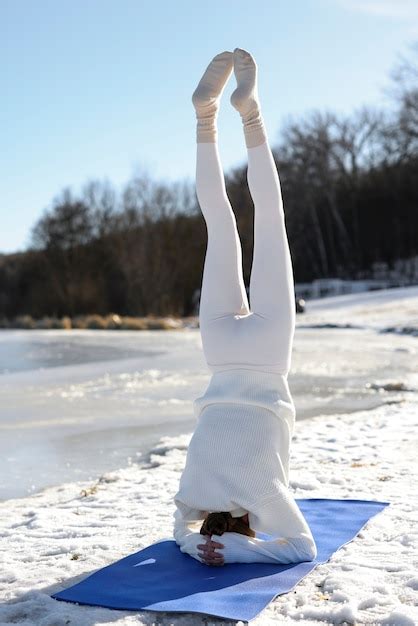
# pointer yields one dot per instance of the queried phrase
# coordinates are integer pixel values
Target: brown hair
(218, 523)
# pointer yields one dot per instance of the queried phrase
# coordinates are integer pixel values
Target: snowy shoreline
(58, 536)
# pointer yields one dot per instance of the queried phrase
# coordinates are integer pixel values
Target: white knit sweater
(238, 461)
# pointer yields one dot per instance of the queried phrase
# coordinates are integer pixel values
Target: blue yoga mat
(162, 578)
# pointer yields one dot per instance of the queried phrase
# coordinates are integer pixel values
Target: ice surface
(78, 403)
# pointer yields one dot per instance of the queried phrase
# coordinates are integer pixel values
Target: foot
(245, 97)
(207, 95)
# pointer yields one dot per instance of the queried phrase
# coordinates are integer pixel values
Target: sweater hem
(268, 368)
(246, 386)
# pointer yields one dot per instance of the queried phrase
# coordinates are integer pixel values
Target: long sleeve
(292, 540)
(240, 548)
(186, 539)
(279, 518)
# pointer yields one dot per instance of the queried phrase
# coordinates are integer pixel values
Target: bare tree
(401, 136)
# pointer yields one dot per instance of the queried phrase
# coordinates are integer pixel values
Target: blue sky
(96, 89)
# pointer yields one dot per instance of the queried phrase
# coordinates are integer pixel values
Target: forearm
(240, 548)
(280, 518)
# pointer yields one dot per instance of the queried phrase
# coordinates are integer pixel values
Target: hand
(207, 552)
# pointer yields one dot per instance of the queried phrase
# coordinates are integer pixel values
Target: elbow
(311, 551)
(179, 536)
(305, 550)
(180, 540)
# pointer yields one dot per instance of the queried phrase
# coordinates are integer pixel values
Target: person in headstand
(236, 477)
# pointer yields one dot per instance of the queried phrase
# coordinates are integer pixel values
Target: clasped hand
(208, 554)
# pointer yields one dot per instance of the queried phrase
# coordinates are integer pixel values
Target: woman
(236, 472)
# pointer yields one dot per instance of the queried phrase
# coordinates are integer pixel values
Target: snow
(372, 309)
(53, 538)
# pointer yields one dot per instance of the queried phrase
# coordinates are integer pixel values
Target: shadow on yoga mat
(162, 578)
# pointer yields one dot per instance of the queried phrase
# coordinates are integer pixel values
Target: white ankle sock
(245, 98)
(207, 95)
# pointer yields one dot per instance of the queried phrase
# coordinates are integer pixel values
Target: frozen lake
(74, 404)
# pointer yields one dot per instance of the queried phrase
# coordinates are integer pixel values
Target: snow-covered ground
(55, 537)
(370, 309)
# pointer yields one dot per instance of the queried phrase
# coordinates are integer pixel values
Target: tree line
(350, 189)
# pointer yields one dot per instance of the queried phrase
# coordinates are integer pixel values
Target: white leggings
(232, 334)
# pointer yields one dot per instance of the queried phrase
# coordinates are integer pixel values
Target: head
(218, 523)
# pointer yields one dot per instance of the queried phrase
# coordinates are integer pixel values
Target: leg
(223, 292)
(271, 283)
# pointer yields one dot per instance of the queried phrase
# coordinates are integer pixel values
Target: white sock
(245, 98)
(207, 95)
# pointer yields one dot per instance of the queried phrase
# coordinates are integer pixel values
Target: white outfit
(238, 457)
